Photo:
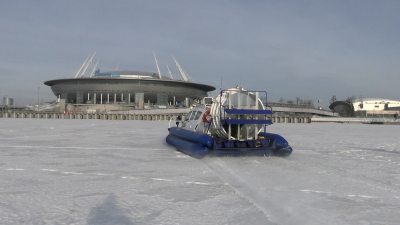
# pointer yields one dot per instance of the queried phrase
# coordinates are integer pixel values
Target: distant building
(127, 87)
(293, 109)
(377, 104)
(8, 101)
(367, 107)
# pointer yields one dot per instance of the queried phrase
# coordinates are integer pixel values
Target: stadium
(127, 87)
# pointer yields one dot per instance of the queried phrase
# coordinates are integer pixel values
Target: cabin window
(377, 106)
(188, 115)
(192, 116)
(198, 114)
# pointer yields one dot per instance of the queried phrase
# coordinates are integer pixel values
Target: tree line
(298, 101)
(350, 99)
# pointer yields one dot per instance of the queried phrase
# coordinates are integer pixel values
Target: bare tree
(290, 101)
(298, 100)
(310, 103)
(351, 99)
(361, 105)
(281, 100)
(333, 99)
(361, 98)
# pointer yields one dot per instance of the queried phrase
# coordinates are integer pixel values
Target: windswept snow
(123, 172)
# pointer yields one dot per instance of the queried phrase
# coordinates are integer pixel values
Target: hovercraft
(232, 124)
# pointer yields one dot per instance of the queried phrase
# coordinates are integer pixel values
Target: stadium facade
(127, 87)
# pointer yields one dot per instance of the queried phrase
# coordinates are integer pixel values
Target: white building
(375, 104)
(8, 101)
(376, 107)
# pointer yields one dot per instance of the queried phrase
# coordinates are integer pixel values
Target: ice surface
(123, 172)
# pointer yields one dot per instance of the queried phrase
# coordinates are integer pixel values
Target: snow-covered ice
(123, 172)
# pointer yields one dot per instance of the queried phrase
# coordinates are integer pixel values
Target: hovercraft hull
(199, 145)
(242, 152)
(280, 147)
(191, 143)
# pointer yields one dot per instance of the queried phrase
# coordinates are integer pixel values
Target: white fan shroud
(247, 101)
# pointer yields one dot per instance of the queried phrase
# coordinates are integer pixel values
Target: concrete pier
(290, 119)
(364, 120)
(89, 116)
(128, 116)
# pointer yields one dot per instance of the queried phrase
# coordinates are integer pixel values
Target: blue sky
(306, 49)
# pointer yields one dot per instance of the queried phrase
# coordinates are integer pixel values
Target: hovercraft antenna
(220, 87)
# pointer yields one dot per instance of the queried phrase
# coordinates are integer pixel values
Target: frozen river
(123, 172)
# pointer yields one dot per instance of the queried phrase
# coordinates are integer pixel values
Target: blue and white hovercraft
(232, 124)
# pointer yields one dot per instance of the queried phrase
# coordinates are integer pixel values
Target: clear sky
(307, 49)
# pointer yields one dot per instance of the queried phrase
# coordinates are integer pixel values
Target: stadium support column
(174, 100)
(122, 97)
(115, 98)
(101, 98)
(129, 98)
(88, 96)
(94, 98)
(108, 98)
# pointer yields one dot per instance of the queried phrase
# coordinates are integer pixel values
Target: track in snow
(339, 179)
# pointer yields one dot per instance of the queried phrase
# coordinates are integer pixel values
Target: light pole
(38, 98)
